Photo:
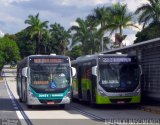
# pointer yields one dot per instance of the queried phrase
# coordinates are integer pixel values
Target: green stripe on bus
(106, 100)
(102, 99)
(47, 96)
(136, 99)
(86, 84)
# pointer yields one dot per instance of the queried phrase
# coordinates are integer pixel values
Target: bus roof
(25, 60)
(91, 57)
(48, 56)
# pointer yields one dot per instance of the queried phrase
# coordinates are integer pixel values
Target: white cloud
(80, 3)
(9, 18)
(99, 2)
(132, 4)
(8, 2)
(140, 27)
(1, 34)
(73, 23)
(11, 24)
(129, 39)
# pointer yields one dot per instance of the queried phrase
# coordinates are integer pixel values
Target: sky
(13, 13)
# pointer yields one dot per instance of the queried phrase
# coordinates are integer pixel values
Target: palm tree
(60, 37)
(121, 19)
(46, 38)
(149, 12)
(37, 27)
(100, 17)
(80, 31)
(84, 34)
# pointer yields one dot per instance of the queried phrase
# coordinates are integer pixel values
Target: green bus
(107, 79)
(45, 80)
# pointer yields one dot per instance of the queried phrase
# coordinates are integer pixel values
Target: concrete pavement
(8, 113)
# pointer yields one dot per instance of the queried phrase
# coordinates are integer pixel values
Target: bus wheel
(89, 100)
(29, 106)
(20, 99)
(62, 106)
(72, 98)
(89, 97)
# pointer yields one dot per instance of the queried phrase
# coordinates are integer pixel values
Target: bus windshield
(50, 77)
(119, 77)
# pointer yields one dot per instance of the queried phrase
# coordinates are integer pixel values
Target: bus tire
(24, 97)
(29, 106)
(89, 97)
(72, 97)
(62, 106)
(20, 99)
(90, 103)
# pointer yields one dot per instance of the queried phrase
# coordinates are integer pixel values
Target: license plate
(120, 102)
(49, 103)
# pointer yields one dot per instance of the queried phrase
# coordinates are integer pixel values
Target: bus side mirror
(73, 71)
(94, 70)
(24, 71)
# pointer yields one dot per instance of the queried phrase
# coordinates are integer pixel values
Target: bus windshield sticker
(53, 85)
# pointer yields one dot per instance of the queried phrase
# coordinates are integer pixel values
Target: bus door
(94, 82)
(79, 76)
(94, 85)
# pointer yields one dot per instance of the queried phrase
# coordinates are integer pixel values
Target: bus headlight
(66, 99)
(32, 99)
(139, 91)
(31, 94)
(101, 92)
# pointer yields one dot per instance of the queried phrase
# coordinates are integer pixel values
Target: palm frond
(143, 8)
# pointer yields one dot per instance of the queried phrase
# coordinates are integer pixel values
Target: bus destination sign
(48, 60)
(116, 59)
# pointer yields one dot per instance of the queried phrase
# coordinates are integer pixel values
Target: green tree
(26, 45)
(100, 17)
(85, 35)
(2, 60)
(9, 51)
(45, 44)
(146, 33)
(121, 19)
(75, 52)
(149, 12)
(38, 28)
(59, 39)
